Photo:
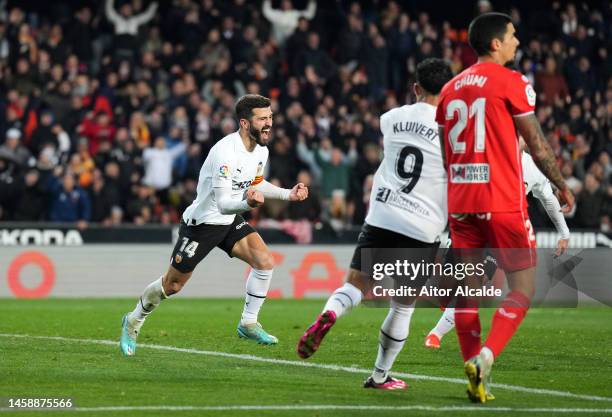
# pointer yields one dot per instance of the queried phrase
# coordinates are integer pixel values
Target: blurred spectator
(402, 42)
(590, 204)
(43, 135)
(158, 163)
(550, 83)
(98, 130)
(116, 217)
(375, 59)
(69, 202)
(12, 149)
(82, 166)
(30, 205)
(140, 205)
(314, 63)
(81, 36)
(212, 52)
(572, 182)
(126, 25)
(335, 167)
(581, 78)
(103, 198)
(309, 209)
(285, 20)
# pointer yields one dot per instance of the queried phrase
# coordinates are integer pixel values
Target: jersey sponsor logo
(469, 173)
(258, 179)
(394, 199)
(382, 194)
(241, 185)
(471, 79)
(239, 226)
(49, 237)
(224, 171)
(531, 95)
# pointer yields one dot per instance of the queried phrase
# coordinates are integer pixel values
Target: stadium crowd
(107, 111)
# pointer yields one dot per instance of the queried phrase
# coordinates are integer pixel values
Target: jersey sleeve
(542, 189)
(384, 122)
(520, 95)
(222, 166)
(540, 186)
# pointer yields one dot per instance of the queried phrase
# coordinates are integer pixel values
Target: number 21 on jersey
(477, 111)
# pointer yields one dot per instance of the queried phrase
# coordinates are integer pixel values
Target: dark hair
(432, 74)
(485, 28)
(248, 102)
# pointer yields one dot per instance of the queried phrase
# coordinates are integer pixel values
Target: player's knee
(172, 287)
(172, 283)
(264, 262)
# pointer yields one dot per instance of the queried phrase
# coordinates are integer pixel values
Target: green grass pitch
(568, 350)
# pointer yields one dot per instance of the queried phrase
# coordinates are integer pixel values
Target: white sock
(256, 290)
(343, 299)
(151, 297)
(487, 355)
(393, 335)
(445, 324)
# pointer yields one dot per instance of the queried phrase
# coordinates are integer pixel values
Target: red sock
(467, 323)
(506, 321)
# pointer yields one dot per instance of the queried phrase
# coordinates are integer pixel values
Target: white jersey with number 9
(409, 190)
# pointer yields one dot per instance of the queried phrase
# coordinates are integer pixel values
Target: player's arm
(269, 190)
(544, 192)
(553, 209)
(543, 156)
(227, 205)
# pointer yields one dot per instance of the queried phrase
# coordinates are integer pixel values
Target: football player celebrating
(231, 182)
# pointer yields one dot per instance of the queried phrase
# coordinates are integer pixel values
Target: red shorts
(510, 231)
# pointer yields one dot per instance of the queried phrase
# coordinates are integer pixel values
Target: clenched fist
(299, 192)
(254, 198)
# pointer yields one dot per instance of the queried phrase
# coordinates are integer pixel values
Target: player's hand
(566, 198)
(299, 192)
(561, 247)
(254, 198)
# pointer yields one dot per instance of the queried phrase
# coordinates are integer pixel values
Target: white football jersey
(535, 181)
(409, 191)
(230, 165)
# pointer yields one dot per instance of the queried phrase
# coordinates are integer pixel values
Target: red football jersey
(476, 109)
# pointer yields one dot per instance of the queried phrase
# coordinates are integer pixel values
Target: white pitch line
(323, 407)
(305, 364)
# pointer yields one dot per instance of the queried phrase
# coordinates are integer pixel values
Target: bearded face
(261, 136)
(260, 126)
